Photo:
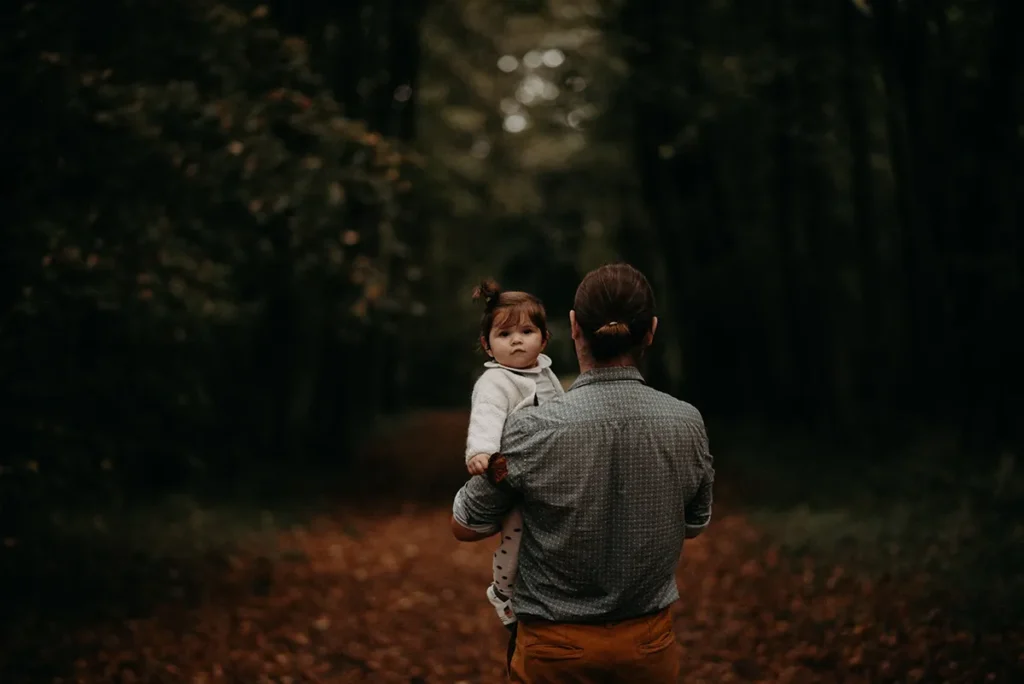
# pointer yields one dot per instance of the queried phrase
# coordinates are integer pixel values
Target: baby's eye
(503, 333)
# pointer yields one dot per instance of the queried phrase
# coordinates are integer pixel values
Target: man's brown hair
(614, 308)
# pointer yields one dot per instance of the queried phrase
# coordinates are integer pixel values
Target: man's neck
(619, 362)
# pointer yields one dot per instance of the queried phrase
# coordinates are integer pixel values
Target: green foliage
(186, 181)
(197, 231)
(213, 263)
(534, 201)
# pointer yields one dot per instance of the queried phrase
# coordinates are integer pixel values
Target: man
(611, 478)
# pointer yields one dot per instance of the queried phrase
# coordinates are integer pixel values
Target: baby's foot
(502, 605)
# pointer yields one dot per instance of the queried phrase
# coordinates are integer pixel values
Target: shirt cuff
(695, 530)
(460, 514)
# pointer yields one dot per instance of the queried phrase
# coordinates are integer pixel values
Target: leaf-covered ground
(384, 594)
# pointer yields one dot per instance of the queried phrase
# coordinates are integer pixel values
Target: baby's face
(517, 344)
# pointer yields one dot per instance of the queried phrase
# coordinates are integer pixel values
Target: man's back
(610, 476)
(610, 479)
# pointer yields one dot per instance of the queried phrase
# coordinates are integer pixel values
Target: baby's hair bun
(613, 329)
(488, 290)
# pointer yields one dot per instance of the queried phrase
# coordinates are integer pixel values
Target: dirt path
(391, 597)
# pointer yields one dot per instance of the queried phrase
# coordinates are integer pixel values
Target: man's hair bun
(613, 329)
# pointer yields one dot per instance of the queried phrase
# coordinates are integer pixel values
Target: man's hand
(477, 465)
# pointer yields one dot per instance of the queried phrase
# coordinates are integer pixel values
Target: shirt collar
(543, 361)
(613, 374)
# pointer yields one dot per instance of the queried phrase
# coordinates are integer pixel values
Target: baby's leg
(506, 558)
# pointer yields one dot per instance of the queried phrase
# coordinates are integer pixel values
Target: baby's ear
(484, 346)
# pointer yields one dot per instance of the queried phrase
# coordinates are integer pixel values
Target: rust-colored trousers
(638, 651)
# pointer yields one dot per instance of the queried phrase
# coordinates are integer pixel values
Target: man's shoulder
(539, 421)
(570, 407)
(676, 409)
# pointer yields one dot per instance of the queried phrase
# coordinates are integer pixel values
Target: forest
(241, 241)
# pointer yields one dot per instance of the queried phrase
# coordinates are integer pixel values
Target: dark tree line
(222, 251)
(207, 255)
(842, 240)
(368, 54)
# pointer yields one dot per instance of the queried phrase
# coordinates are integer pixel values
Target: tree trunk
(872, 362)
(993, 370)
(801, 393)
(910, 221)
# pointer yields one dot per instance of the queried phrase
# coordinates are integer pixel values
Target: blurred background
(238, 342)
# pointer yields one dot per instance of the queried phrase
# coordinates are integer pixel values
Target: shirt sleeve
(698, 509)
(481, 506)
(522, 446)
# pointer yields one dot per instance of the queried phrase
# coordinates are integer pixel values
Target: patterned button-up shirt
(611, 478)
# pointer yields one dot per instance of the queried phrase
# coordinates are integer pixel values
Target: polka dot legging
(506, 558)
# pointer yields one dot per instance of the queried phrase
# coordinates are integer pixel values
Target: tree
(199, 235)
(828, 204)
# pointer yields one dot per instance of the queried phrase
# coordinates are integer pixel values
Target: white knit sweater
(500, 392)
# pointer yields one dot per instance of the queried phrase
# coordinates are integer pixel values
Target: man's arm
(479, 509)
(698, 511)
(480, 506)
(464, 534)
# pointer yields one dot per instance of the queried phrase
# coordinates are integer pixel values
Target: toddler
(513, 332)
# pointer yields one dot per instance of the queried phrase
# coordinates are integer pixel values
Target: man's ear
(649, 337)
(573, 328)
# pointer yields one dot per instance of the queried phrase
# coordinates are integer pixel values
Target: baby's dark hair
(503, 308)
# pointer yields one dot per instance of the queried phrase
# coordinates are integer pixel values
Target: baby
(513, 332)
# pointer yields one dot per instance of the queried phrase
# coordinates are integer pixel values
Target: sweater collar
(543, 363)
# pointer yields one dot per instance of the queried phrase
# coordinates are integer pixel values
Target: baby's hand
(477, 465)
